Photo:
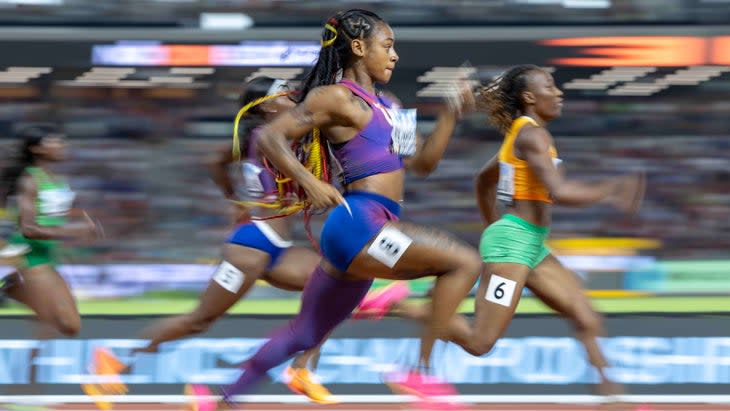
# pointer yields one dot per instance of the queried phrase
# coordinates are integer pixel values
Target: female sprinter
(44, 201)
(525, 176)
(257, 249)
(521, 103)
(362, 237)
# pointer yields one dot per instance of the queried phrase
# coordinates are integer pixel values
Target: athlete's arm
(430, 150)
(533, 144)
(27, 193)
(324, 107)
(218, 169)
(486, 190)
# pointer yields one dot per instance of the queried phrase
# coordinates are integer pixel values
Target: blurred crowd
(138, 165)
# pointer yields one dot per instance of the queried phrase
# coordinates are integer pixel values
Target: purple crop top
(371, 151)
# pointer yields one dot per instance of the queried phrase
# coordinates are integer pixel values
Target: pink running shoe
(424, 405)
(378, 302)
(202, 398)
(426, 387)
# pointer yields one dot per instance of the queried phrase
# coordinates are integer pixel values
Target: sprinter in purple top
(369, 152)
(374, 142)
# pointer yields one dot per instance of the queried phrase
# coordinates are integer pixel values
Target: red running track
(406, 407)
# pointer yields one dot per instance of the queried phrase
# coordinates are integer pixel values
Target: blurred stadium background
(146, 91)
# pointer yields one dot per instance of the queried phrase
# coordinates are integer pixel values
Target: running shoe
(431, 391)
(378, 302)
(105, 365)
(304, 382)
(201, 398)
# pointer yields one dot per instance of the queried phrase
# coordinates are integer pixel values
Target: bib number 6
(500, 290)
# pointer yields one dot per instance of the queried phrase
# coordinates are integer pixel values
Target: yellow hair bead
(327, 43)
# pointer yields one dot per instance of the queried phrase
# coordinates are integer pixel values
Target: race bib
(229, 277)
(389, 246)
(252, 176)
(506, 184)
(403, 135)
(500, 290)
(56, 202)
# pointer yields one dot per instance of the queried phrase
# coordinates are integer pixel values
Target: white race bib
(500, 290)
(403, 135)
(506, 184)
(252, 177)
(229, 277)
(389, 246)
(56, 202)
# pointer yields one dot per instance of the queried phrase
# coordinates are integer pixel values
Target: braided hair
(502, 98)
(255, 89)
(309, 151)
(255, 92)
(336, 50)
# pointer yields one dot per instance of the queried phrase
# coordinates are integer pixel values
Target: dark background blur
(146, 91)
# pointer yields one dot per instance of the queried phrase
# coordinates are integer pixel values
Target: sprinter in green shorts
(524, 175)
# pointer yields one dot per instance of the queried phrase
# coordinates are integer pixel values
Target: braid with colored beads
(310, 152)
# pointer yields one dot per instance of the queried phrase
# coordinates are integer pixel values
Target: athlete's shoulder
(327, 99)
(26, 183)
(533, 136)
(333, 92)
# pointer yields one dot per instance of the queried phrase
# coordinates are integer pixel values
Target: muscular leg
(561, 289)
(331, 295)
(491, 319)
(558, 287)
(45, 292)
(494, 307)
(293, 269)
(432, 252)
(215, 300)
(326, 302)
(292, 272)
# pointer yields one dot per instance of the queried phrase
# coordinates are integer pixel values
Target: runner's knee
(480, 344)
(589, 322)
(68, 325)
(473, 263)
